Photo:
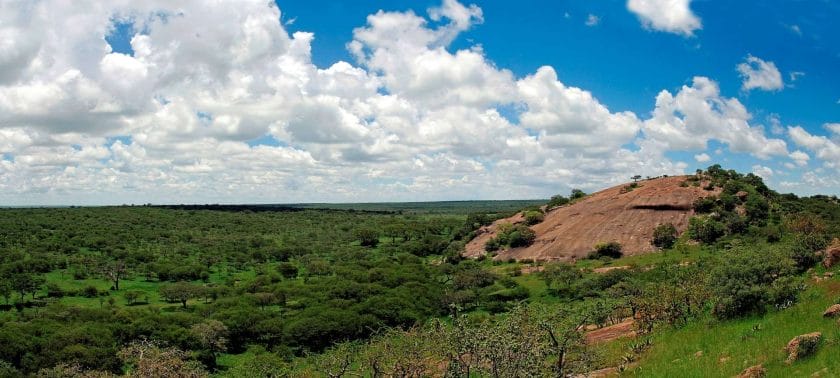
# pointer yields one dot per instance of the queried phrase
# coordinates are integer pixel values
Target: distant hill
(625, 213)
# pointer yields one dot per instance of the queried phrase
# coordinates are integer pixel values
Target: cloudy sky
(308, 101)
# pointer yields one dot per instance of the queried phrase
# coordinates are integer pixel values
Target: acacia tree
(180, 292)
(149, 360)
(114, 271)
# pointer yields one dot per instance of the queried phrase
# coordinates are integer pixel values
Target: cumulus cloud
(223, 104)
(672, 16)
(702, 157)
(762, 171)
(760, 74)
(592, 20)
(800, 158)
(828, 150)
(698, 113)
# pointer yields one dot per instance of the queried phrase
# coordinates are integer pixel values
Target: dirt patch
(610, 268)
(627, 328)
(570, 232)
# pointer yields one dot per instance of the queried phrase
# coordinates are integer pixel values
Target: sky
(131, 102)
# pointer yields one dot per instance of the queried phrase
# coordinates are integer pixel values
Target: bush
(665, 235)
(749, 281)
(492, 245)
(704, 205)
(557, 200)
(534, 217)
(521, 236)
(367, 237)
(577, 193)
(705, 230)
(90, 291)
(611, 249)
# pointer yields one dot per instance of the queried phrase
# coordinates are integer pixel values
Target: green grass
(731, 346)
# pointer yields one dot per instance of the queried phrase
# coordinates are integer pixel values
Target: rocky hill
(623, 213)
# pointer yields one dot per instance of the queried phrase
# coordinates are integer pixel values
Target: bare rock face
(570, 232)
(802, 346)
(757, 371)
(831, 255)
(832, 311)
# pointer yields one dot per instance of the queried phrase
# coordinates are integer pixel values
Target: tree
(559, 277)
(5, 289)
(132, 296)
(367, 237)
(557, 200)
(705, 229)
(148, 360)
(212, 336)
(114, 271)
(577, 193)
(664, 236)
(610, 249)
(25, 282)
(636, 178)
(180, 292)
(287, 270)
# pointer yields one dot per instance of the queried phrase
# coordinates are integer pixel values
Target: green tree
(610, 249)
(180, 292)
(664, 236)
(367, 237)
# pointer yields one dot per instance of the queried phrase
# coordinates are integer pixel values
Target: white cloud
(411, 118)
(702, 158)
(592, 20)
(698, 113)
(759, 74)
(834, 128)
(828, 150)
(762, 171)
(800, 158)
(795, 75)
(672, 16)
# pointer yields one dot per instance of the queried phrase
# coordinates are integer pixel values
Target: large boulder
(831, 255)
(832, 311)
(802, 346)
(757, 371)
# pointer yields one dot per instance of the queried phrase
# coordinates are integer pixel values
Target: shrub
(534, 217)
(704, 205)
(521, 236)
(367, 237)
(90, 291)
(557, 200)
(705, 230)
(577, 193)
(492, 245)
(611, 249)
(665, 235)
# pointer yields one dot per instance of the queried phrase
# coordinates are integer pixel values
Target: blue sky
(310, 101)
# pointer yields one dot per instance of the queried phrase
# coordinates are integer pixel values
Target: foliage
(664, 236)
(705, 229)
(609, 249)
(511, 236)
(557, 200)
(533, 217)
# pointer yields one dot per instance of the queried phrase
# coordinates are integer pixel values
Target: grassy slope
(729, 347)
